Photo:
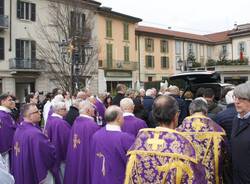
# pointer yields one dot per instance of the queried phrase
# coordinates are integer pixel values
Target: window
(25, 49)
(209, 52)
(242, 47)
(177, 47)
(109, 54)
(126, 54)
(190, 48)
(164, 62)
(164, 46)
(149, 44)
(125, 31)
(1, 48)
(224, 49)
(77, 23)
(109, 28)
(164, 78)
(150, 79)
(26, 11)
(177, 63)
(1, 7)
(150, 61)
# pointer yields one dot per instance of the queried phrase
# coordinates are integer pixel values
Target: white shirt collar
(113, 128)
(128, 114)
(56, 115)
(5, 109)
(247, 115)
(86, 116)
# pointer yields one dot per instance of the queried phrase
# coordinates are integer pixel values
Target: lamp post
(75, 54)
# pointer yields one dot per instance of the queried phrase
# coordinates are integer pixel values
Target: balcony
(4, 22)
(118, 65)
(31, 65)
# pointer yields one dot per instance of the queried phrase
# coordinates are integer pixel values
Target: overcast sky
(194, 16)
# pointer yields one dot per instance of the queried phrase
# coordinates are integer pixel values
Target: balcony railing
(118, 65)
(4, 22)
(27, 64)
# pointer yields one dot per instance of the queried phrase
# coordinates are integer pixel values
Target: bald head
(174, 90)
(127, 105)
(113, 115)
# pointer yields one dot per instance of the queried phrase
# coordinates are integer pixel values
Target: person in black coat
(148, 100)
(240, 138)
(225, 117)
(73, 112)
(121, 90)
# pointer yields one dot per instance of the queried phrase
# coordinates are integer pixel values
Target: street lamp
(75, 54)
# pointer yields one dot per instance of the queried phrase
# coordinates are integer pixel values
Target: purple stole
(33, 155)
(208, 139)
(163, 155)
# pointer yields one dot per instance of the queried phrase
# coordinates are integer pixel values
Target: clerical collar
(5, 109)
(56, 115)
(86, 116)
(128, 114)
(246, 116)
(113, 128)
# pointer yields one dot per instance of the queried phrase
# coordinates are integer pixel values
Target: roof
(209, 38)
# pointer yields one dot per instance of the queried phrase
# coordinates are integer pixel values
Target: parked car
(192, 81)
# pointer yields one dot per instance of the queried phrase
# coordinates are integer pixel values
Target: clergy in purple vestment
(58, 130)
(109, 149)
(100, 107)
(131, 124)
(7, 127)
(33, 154)
(77, 169)
(161, 154)
(209, 141)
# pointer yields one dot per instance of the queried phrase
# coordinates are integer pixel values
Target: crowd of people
(144, 136)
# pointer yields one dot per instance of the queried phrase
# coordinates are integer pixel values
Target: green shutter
(109, 28)
(125, 31)
(109, 55)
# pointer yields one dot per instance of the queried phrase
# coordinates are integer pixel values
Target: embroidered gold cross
(156, 142)
(17, 148)
(100, 155)
(76, 141)
(198, 125)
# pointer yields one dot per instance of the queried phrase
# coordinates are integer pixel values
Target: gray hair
(57, 105)
(242, 91)
(149, 92)
(126, 104)
(84, 106)
(112, 113)
(198, 105)
(76, 102)
(174, 90)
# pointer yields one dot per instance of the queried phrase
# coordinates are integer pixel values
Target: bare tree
(63, 35)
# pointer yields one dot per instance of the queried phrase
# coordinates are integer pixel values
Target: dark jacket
(213, 109)
(182, 108)
(72, 114)
(148, 103)
(116, 100)
(225, 119)
(240, 141)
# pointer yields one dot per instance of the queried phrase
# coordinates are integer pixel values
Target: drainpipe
(139, 57)
(10, 26)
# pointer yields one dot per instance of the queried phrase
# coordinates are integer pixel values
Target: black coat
(240, 141)
(72, 115)
(116, 100)
(225, 119)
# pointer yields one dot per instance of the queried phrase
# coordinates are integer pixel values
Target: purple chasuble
(108, 156)
(7, 130)
(163, 155)
(33, 155)
(58, 131)
(132, 124)
(77, 169)
(100, 107)
(208, 139)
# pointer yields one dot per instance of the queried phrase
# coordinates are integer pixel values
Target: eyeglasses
(240, 99)
(64, 109)
(35, 112)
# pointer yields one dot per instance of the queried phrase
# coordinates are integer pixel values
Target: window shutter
(18, 9)
(33, 49)
(153, 61)
(72, 23)
(1, 7)
(1, 48)
(83, 23)
(33, 12)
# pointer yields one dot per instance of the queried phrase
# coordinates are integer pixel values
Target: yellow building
(117, 54)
